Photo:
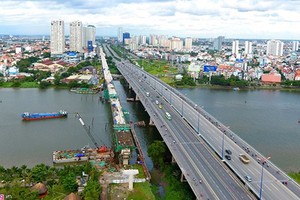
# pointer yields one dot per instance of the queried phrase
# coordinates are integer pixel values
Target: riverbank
(219, 87)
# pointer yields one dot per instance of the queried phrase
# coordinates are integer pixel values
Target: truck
(244, 158)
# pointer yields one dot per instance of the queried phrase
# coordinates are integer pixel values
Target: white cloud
(199, 18)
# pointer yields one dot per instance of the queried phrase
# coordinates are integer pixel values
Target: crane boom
(87, 130)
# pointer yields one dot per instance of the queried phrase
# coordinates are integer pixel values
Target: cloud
(205, 18)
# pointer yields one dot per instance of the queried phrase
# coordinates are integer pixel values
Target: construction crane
(100, 148)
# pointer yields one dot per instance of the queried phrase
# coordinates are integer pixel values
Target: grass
(141, 191)
(157, 67)
(19, 85)
(167, 79)
(295, 176)
(141, 173)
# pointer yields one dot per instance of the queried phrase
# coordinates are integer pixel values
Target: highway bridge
(198, 141)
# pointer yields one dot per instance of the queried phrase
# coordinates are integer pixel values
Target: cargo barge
(83, 155)
(39, 116)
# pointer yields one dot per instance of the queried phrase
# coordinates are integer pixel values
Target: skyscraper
(248, 47)
(90, 37)
(188, 43)
(76, 36)
(143, 39)
(125, 36)
(57, 37)
(295, 46)
(235, 47)
(275, 47)
(217, 45)
(120, 34)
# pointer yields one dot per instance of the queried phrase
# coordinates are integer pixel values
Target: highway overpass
(197, 141)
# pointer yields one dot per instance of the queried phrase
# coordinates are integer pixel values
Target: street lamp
(262, 175)
(223, 146)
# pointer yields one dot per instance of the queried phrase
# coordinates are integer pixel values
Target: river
(267, 120)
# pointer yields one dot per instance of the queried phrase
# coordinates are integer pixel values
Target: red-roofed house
(271, 78)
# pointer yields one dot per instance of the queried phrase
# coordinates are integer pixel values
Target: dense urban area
(75, 63)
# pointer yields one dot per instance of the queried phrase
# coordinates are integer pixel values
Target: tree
(39, 173)
(69, 183)
(156, 151)
(92, 190)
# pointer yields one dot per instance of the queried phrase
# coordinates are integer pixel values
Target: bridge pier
(173, 160)
(151, 123)
(182, 178)
(137, 98)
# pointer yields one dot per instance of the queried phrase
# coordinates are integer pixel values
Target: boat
(236, 89)
(38, 116)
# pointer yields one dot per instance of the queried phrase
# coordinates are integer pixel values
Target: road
(202, 133)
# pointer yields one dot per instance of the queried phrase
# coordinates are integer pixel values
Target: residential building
(188, 43)
(295, 46)
(217, 45)
(57, 37)
(248, 47)
(143, 39)
(235, 47)
(275, 48)
(76, 36)
(176, 43)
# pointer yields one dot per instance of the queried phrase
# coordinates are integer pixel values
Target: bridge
(198, 142)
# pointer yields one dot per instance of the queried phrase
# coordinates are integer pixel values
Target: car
(228, 151)
(156, 102)
(248, 178)
(228, 157)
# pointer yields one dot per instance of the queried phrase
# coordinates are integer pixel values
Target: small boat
(236, 89)
(38, 116)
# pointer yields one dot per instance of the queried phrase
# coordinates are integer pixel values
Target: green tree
(156, 151)
(44, 84)
(40, 173)
(92, 190)
(69, 183)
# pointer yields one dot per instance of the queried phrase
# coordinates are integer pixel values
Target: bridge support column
(151, 123)
(137, 98)
(182, 178)
(173, 160)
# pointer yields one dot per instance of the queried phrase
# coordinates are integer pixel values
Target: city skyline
(270, 19)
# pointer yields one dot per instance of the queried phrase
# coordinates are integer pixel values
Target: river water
(267, 120)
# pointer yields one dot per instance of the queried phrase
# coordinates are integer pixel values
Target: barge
(39, 116)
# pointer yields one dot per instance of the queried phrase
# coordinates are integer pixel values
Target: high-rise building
(163, 41)
(275, 48)
(176, 43)
(120, 34)
(76, 36)
(143, 39)
(188, 43)
(57, 37)
(90, 36)
(126, 35)
(153, 40)
(295, 46)
(217, 45)
(248, 47)
(235, 47)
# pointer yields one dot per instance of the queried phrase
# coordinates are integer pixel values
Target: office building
(126, 35)
(90, 37)
(275, 48)
(235, 47)
(188, 43)
(248, 47)
(57, 37)
(295, 46)
(218, 42)
(76, 36)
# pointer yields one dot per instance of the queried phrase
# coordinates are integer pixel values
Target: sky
(237, 19)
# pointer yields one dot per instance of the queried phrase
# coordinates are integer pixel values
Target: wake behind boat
(38, 116)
